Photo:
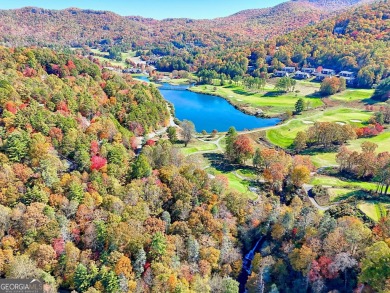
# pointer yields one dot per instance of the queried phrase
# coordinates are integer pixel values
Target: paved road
(307, 188)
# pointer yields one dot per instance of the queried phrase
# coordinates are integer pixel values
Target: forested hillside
(32, 26)
(81, 211)
(334, 4)
(356, 40)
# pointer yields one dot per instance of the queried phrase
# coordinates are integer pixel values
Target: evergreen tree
(139, 262)
(141, 167)
(382, 91)
(299, 106)
(231, 137)
(158, 246)
(110, 281)
(17, 146)
(82, 279)
(257, 159)
(172, 134)
(193, 249)
(166, 217)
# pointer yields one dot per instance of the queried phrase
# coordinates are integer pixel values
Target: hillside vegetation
(32, 26)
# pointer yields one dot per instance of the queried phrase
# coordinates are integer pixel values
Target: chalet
(301, 75)
(280, 73)
(132, 70)
(346, 74)
(289, 69)
(324, 74)
(349, 77)
(329, 72)
(308, 70)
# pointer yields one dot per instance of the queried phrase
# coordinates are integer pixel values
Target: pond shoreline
(167, 88)
(237, 106)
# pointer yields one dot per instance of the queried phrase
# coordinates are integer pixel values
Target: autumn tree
(242, 148)
(332, 85)
(299, 175)
(300, 141)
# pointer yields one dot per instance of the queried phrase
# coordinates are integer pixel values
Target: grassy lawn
(113, 62)
(382, 140)
(268, 100)
(197, 146)
(324, 159)
(373, 210)
(247, 173)
(179, 81)
(338, 183)
(329, 158)
(338, 193)
(235, 183)
(284, 135)
(351, 95)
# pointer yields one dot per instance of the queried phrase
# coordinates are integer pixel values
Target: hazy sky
(151, 8)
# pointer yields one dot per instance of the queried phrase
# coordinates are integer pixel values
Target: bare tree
(188, 129)
(342, 262)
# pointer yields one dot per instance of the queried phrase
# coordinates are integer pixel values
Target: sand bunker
(340, 123)
(308, 122)
(355, 120)
(239, 100)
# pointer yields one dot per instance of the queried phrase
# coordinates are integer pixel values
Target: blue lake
(209, 112)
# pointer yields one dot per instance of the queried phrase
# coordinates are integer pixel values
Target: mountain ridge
(76, 27)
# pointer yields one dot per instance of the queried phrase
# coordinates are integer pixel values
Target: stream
(247, 264)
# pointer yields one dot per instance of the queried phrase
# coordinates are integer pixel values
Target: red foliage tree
(29, 72)
(62, 107)
(71, 65)
(97, 163)
(324, 262)
(94, 148)
(150, 142)
(133, 143)
(59, 246)
(243, 148)
(11, 107)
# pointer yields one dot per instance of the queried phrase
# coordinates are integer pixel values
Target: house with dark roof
(325, 73)
(289, 69)
(309, 70)
(280, 73)
(349, 77)
(301, 75)
(330, 72)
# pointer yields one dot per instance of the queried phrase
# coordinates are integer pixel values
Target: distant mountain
(37, 26)
(335, 4)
